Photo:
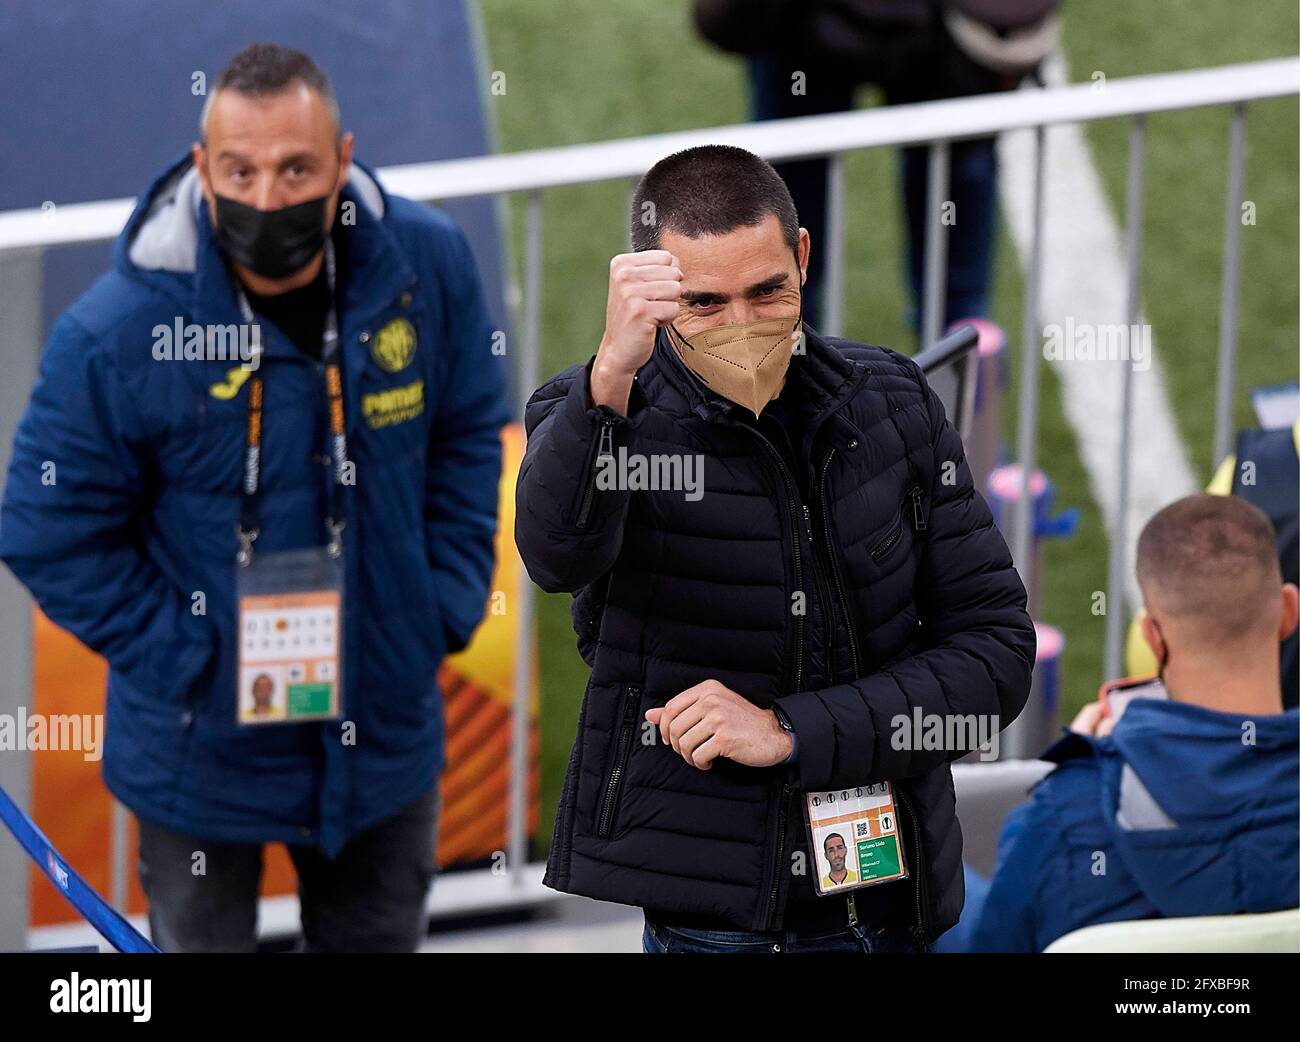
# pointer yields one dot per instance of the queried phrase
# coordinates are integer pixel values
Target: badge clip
(244, 556)
(335, 546)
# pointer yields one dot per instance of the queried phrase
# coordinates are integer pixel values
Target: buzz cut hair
(263, 70)
(710, 190)
(1210, 565)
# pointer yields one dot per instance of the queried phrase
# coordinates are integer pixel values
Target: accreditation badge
(854, 836)
(290, 637)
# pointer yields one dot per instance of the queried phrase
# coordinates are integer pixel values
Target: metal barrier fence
(25, 234)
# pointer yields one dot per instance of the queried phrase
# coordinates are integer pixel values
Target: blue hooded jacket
(123, 493)
(1181, 811)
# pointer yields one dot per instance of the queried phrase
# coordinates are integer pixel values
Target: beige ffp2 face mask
(745, 362)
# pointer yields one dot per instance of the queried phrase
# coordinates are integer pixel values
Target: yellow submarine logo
(394, 345)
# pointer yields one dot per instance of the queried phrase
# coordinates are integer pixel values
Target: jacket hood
(162, 239)
(1203, 805)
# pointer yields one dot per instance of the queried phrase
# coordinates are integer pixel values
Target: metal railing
(24, 234)
(955, 351)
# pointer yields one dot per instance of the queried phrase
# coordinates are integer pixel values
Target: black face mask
(271, 243)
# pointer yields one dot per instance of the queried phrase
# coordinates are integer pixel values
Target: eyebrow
(298, 157)
(703, 297)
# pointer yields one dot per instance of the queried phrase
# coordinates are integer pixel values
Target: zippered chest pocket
(912, 513)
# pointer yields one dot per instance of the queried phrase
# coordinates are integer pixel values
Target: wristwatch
(788, 728)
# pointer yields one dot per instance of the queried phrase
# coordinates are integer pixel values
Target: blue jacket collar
(169, 243)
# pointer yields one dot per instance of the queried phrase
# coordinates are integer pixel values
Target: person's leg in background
(772, 96)
(371, 897)
(970, 254)
(972, 189)
(972, 185)
(202, 894)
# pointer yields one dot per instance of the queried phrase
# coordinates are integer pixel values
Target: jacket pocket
(911, 511)
(625, 735)
(895, 533)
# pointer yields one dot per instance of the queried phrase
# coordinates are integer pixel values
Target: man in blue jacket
(1183, 803)
(369, 420)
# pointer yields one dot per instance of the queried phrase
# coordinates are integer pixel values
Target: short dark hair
(1211, 563)
(264, 69)
(710, 190)
(833, 835)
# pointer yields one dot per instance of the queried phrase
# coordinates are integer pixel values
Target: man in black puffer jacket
(782, 577)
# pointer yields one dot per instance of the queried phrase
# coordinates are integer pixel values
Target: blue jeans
(658, 939)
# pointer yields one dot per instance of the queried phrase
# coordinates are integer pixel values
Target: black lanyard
(247, 528)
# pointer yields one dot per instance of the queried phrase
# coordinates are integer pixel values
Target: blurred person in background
(758, 639)
(806, 57)
(1177, 797)
(134, 469)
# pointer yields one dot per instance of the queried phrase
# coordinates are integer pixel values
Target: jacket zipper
(891, 540)
(604, 448)
(918, 517)
(823, 594)
(920, 927)
(835, 568)
(631, 699)
(781, 818)
(791, 502)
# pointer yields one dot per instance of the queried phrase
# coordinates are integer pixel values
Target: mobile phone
(1115, 695)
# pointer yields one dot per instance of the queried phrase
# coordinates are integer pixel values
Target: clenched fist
(643, 293)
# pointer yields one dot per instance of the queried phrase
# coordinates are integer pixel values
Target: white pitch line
(1083, 277)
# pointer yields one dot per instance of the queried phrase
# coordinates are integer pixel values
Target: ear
(1151, 634)
(199, 154)
(346, 143)
(1290, 610)
(803, 251)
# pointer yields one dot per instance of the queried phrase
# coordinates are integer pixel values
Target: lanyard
(247, 529)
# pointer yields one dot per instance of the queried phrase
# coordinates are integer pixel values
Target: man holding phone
(1174, 795)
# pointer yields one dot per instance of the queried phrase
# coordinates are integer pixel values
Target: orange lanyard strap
(248, 528)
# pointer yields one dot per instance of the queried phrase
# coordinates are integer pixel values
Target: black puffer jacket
(928, 614)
